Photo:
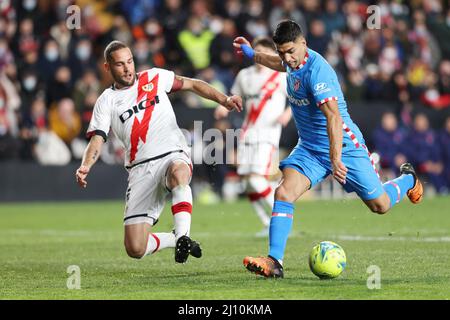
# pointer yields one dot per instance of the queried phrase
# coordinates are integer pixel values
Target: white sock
(261, 212)
(159, 241)
(262, 197)
(182, 210)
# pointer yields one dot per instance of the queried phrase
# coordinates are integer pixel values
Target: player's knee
(255, 183)
(135, 250)
(284, 194)
(178, 174)
(379, 208)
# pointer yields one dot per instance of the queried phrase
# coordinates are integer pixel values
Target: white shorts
(147, 189)
(256, 158)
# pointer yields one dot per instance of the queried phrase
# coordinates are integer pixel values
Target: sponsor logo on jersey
(320, 88)
(298, 102)
(144, 104)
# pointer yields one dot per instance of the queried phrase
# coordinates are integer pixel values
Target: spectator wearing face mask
(195, 40)
(256, 24)
(81, 58)
(30, 86)
(29, 8)
(49, 60)
(222, 51)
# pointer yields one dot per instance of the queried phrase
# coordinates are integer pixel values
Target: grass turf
(410, 245)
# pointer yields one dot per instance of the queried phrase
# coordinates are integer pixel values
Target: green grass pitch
(410, 245)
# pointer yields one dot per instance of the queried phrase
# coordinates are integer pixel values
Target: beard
(121, 80)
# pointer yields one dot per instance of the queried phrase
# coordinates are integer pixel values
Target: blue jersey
(311, 84)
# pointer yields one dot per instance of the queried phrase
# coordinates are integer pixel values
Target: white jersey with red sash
(141, 116)
(264, 94)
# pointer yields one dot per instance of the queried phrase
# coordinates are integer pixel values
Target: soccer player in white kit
(264, 94)
(137, 109)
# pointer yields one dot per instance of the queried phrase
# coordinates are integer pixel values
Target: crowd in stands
(427, 149)
(51, 74)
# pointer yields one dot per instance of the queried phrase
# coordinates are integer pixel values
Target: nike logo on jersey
(370, 192)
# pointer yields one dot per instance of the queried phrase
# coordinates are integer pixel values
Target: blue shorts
(362, 177)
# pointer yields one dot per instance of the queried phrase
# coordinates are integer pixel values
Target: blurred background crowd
(51, 74)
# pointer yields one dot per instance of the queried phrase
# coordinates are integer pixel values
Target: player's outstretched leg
(140, 241)
(407, 184)
(293, 186)
(280, 227)
(178, 176)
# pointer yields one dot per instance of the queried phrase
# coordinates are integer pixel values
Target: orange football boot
(264, 266)
(415, 194)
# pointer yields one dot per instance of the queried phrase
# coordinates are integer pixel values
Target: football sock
(397, 188)
(159, 241)
(261, 212)
(280, 226)
(261, 196)
(182, 210)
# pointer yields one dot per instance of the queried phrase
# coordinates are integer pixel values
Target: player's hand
(234, 103)
(339, 171)
(284, 119)
(220, 112)
(237, 42)
(81, 175)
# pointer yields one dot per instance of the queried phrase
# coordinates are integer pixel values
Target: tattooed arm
(91, 155)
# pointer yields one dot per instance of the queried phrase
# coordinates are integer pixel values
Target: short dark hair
(111, 47)
(263, 41)
(287, 31)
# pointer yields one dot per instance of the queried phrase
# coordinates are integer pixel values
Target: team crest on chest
(147, 87)
(271, 85)
(297, 84)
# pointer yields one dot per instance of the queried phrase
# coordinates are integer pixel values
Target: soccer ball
(327, 260)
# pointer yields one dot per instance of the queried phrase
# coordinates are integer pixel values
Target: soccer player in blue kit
(329, 143)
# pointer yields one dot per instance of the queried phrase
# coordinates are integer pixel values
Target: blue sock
(280, 226)
(397, 188)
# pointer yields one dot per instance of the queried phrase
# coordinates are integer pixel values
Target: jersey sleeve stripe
(326, 100)
(101, 133)
(350, 134)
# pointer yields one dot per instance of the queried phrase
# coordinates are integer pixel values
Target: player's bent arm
(334, 129)
(207, 91)
(270, 61)
(90, 157)
(92, 152)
